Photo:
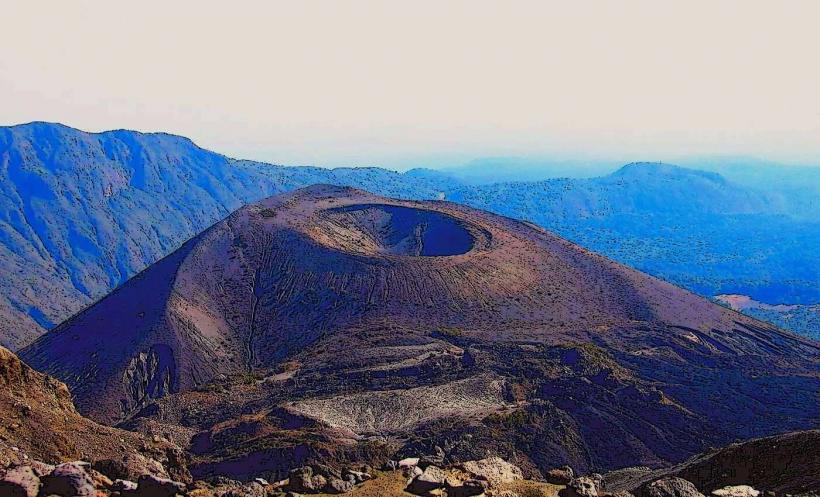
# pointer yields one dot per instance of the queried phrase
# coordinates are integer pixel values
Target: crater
(394, 230)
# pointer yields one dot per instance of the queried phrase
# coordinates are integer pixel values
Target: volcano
(331, 322)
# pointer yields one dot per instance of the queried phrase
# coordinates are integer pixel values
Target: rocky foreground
(48, 449)
(489, 477)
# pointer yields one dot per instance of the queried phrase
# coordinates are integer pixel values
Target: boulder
(430, 479)
(436, 459)
(468, 488)
(249, 490)
(154, 486)
(69, 480)
(598, 480)
(177, 466)
(326, 471)
(408, 462)
(41, 469)
(736, 491)
(101, 482)
(358, 476)
(494, 470)
(338, 486)
(560, 476)
(200, 492)
(304, 480)
(20, 481)
(670, 487)
(412, 472)
(581, 487)
(130, 467)
(124, 486)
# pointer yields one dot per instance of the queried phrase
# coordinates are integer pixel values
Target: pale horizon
(428, 84)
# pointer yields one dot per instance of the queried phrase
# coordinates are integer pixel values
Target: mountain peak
(646, 170)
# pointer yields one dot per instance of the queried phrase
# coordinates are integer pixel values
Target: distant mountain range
(694, 228)
(80, 213)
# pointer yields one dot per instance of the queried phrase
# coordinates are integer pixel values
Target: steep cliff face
(319, 321)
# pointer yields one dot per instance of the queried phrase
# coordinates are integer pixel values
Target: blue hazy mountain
(694, 228)
(490, 170)
(81, 212)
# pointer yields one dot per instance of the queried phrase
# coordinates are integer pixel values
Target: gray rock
(338, 486)
(69, 480)
(581, 487)
(21, 481)
(326, 471)
(408, 462)
(124, 486)
(430, 479)
(358, 476)
(130, 467)
(494, 470)
(560, 476)
(436, 459)
(670, 487)
(154, 486)
(41, 469)
(250, 490)
(736, 491)
(467, 488)
(304, 480)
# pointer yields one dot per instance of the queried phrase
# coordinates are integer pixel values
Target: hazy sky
(425, 83)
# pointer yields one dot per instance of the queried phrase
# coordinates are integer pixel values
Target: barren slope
(38, 420)
(333, 322)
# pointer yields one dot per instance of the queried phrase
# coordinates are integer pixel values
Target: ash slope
(424, 324)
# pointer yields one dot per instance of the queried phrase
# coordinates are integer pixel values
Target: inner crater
(394, 230)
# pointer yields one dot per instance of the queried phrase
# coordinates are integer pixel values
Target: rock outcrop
(38, 421)
(781, 464)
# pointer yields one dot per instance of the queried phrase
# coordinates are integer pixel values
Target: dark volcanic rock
(152, 486)
(69, 479)
(430, 479)
(670, 487)
(333, 325)
(583, 486)
(559, 476)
